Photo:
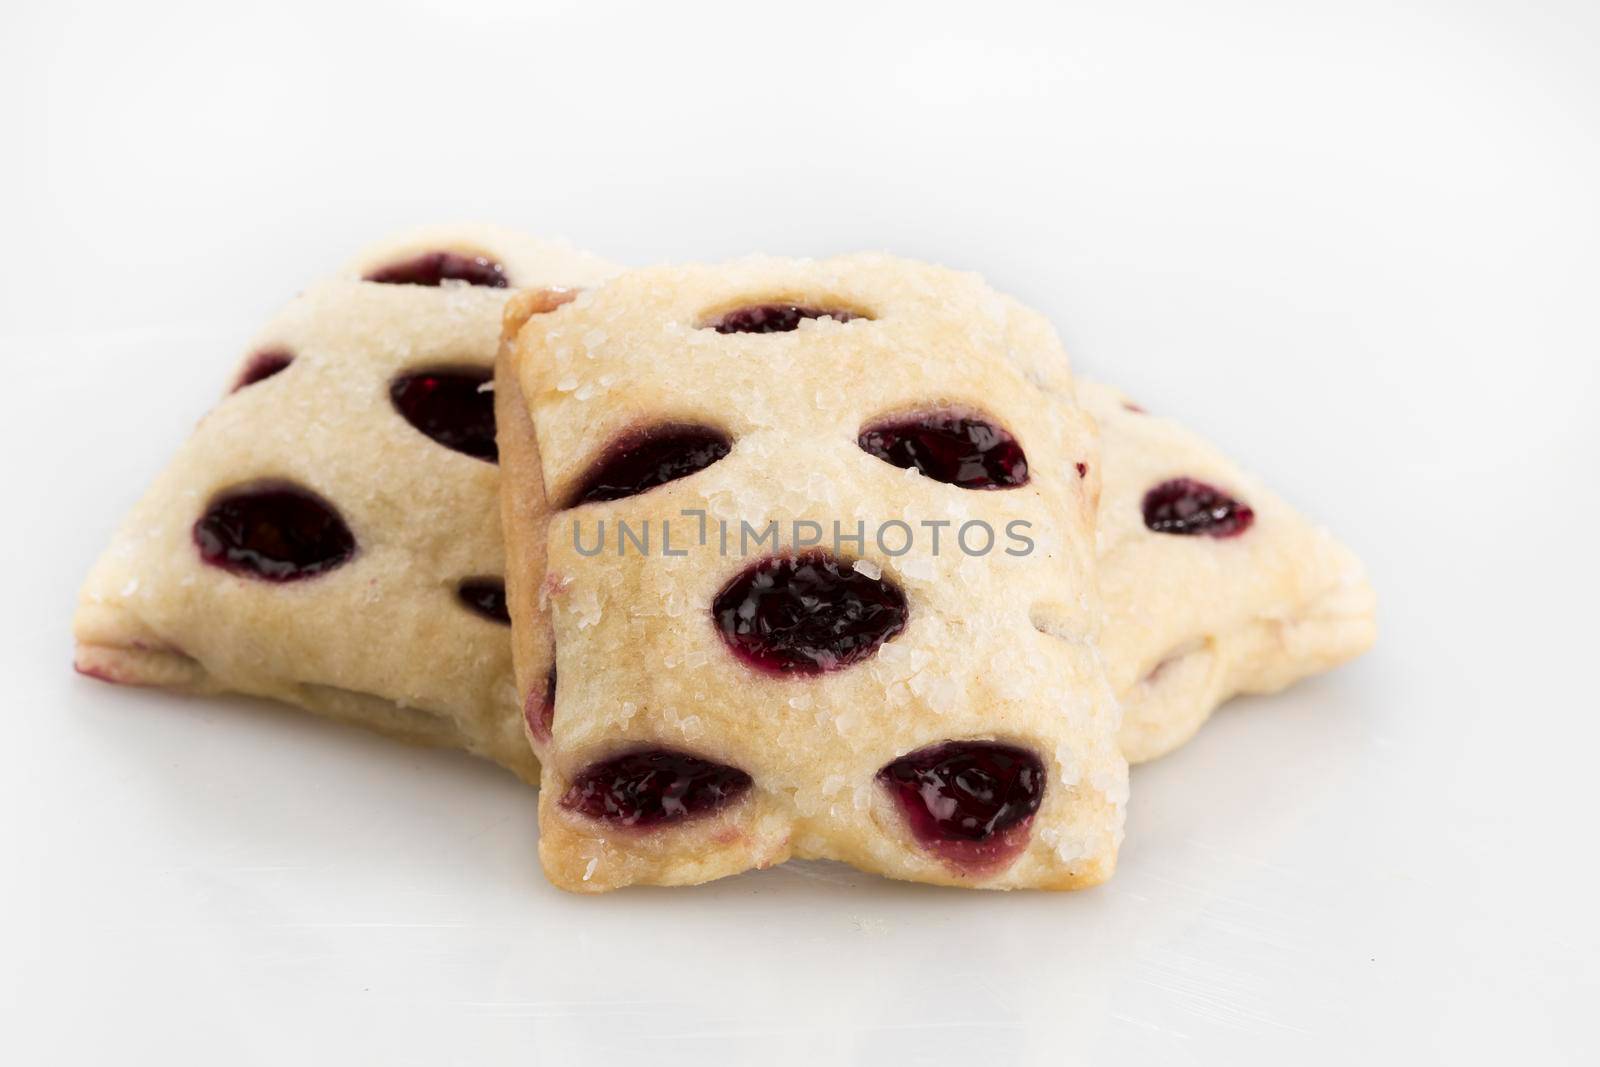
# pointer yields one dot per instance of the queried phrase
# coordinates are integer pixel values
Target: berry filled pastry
(1212, 585)
(806, 523)
(329, 535)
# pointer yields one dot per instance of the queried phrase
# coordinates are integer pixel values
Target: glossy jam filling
(278, 533)
(775, 318)
(654, 787)
(1185, 506)
(436, 268)
(452, 406)
(961, 450)
(539, 710)
(648, 458)
(970, 802)
(262, 366)
(807, 614)
(486, 597)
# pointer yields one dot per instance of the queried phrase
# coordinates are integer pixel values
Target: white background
(1354, 242)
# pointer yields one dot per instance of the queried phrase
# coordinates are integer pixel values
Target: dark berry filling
(969, 801)
(963, 450)
(775, 318)
(650, 788)
(807, 614)
(436, 268)
(279, 533)
(487, 597)
(452, 406)
(1083, 469)
(1185, 506)
(539, 710)
(649, 458)
(262, 366)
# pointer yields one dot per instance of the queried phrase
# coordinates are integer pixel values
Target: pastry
(1191, 617)
(1212, 585)
(735, 684)
(329, 535)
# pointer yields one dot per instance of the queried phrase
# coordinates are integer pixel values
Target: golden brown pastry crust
(640, 662)
(1192, 621)
(1181, 636)
(380, 641)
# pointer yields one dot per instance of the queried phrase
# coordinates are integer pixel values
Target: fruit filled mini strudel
(329, 535)
(1213, 586)
(795, 531)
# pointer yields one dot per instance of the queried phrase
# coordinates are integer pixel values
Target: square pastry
(1213, 586)
(329, 535)
(804, 521)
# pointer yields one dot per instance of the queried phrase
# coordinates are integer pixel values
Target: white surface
(1356, 245)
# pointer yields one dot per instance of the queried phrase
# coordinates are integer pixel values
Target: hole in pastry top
(485, 597)
(1189, 507)
(950, 445)
(969, 802)
(644, 458)
(451, 405)
(807, 614)
(274, 531)
(653, 787)
(778, 316)
(262, 366)
(437, 268)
